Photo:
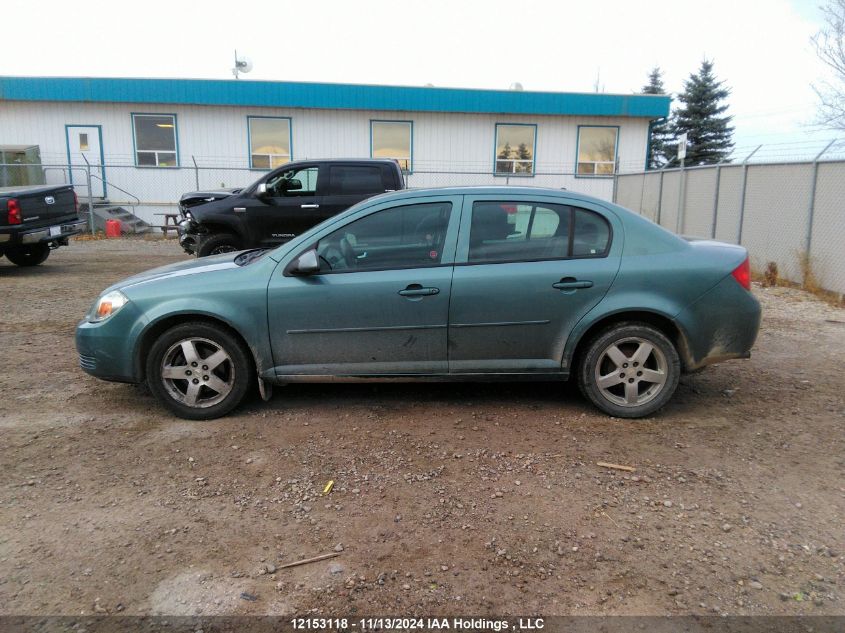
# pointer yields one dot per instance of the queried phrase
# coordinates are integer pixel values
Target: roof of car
(493, 190)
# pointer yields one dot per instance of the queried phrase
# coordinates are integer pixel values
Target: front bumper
(189, 238)
(106, 349)
(189, 242)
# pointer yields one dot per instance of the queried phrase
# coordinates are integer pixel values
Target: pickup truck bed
(34, 220)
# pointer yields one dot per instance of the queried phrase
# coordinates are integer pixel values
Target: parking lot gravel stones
(447, 498)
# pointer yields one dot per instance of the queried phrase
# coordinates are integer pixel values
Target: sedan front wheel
(199, 371)
(630, 370)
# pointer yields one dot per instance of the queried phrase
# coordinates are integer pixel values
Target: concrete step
(129, 222)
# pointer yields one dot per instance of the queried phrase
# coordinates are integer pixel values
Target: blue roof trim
(329, 96)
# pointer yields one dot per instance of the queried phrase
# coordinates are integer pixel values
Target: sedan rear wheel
(199, 371)
(630, 370)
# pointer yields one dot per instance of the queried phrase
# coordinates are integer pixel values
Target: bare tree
(829, 43)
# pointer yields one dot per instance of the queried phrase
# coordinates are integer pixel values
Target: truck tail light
(13, 208)
(75, 202)
(742, 274)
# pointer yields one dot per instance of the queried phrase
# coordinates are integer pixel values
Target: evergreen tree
(659, 131)
(701, 116)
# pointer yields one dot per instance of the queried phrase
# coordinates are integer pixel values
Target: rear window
(525, 231)
(355, 179)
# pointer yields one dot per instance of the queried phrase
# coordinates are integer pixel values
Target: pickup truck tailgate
(42, 206)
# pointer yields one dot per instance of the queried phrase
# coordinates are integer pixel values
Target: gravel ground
(482, 499)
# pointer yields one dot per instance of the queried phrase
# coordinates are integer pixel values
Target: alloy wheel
(197, 372)
(631, 372)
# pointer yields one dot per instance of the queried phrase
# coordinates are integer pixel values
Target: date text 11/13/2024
(420, 624)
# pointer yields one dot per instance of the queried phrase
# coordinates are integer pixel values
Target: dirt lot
(482, 499)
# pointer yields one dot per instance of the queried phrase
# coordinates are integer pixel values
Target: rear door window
(518, 231)
(528, 231)
(355, 179)
(591, 236)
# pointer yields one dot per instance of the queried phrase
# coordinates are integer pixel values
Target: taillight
(13, 208)
(742, 274)
(75, 202)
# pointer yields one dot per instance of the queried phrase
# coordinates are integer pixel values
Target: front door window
(294, 183)
(408, 236)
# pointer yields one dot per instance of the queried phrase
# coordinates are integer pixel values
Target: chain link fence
(791, 214)
(788, 213)
(150, 193)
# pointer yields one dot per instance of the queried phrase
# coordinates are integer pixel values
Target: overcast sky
(761, 48)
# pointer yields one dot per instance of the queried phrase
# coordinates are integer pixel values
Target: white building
(150, 140)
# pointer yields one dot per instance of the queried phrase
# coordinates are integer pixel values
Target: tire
(218, 244)
(190, 388)
(28, 255)
(640, 380)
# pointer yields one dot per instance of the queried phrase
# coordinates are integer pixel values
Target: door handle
(416, 290)
(239, 209)
(570, 283)
(309, 206)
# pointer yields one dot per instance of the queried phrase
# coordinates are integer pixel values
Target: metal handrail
(108, 184)
(131, 206)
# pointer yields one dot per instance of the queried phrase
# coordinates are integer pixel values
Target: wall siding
(216, 137)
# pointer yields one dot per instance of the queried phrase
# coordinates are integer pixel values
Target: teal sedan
(466, 283)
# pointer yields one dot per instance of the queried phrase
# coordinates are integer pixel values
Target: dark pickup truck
(34, 220)
(280, 205)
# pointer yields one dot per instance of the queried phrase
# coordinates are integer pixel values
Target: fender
(249, 324)
(620, 303)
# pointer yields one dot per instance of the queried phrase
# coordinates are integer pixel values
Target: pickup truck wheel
(28, 255)
(199, 371)
(630, 370)
(218, 244)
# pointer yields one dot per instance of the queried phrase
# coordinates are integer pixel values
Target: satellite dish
(243, 64)
(516, 86)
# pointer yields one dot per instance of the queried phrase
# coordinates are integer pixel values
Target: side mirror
(307, 263)
(261, 190)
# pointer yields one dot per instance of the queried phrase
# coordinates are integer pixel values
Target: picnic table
(171, 221)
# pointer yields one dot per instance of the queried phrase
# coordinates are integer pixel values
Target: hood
(194, 198)
(179, 269)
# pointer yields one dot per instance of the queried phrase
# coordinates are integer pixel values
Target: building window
(393, 139)
(155, 140)
(269, 142)
(597, 150)
(515, 145)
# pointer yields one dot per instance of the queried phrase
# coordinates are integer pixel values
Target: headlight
(188, 225)
(107, 305)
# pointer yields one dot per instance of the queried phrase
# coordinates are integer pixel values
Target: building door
(86, 142)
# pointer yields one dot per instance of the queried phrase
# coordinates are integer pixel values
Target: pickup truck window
(355, 179)
(294, 183)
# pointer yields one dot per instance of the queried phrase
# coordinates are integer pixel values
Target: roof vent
(516, 86)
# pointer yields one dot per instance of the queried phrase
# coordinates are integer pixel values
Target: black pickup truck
(280, 205)
(34, 220)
